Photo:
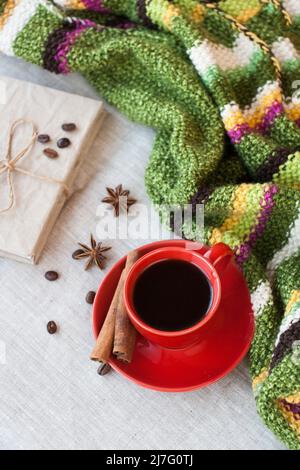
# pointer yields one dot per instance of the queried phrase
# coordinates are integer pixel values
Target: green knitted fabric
(218, 82)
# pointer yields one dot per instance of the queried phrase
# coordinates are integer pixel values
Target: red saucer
(199, 365)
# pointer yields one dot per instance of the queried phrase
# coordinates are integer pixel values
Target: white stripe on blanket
(22, 14)
(261, 297)
(269, 89)
(207, 54)
(285, 50)
(292, 7)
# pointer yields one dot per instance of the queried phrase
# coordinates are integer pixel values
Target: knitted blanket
(219, 82)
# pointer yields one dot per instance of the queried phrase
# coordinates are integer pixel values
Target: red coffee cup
(211, 261)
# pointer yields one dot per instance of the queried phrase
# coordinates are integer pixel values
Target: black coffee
(172, 295)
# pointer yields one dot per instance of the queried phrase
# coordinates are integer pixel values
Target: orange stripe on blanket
(7, 12)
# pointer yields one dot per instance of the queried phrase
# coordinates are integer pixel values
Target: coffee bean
(50, 153)
(43, 138)
(51, 327)
(51, 276)
(104, 369)
(77, 253)
(63, 143)
(90, 297)
(69, 127)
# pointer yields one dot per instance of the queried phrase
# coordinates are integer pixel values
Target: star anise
(94, 253)
(119, 199)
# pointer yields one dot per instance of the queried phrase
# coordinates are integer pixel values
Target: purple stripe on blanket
(272, 112)
(293, 407)
(65, 39)
(142, 13)
(271, 166)
(238, 132)
(275, 110)
(96, 5)
(201, 196)
(266, 203)
(61, 56)
(125, 25)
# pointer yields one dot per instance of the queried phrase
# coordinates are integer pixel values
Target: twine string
(252, 36)
(9, 164)
(278, 4)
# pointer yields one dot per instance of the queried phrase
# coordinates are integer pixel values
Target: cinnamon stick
(125, 333)
(104, 345)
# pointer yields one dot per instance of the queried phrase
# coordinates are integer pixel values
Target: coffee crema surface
(172, 295)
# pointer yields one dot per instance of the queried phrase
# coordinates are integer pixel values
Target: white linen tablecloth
(50, 394)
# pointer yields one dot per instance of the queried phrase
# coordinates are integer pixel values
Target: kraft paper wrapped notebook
(34, 187)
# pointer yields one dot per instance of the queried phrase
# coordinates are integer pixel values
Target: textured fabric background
(50, 395)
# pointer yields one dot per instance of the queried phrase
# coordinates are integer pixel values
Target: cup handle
(220, 255)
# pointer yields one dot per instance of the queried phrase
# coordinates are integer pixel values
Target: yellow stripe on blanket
(172, 12)
(246, 15)
(295, 297)
(238, 210)
(233, 115)
(11, 4)
(295, 398)
(76, 4)
(72, 4)
(293, 421)
(198, 14)
(257, 381)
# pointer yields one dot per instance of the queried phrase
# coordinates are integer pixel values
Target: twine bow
(9, 164)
